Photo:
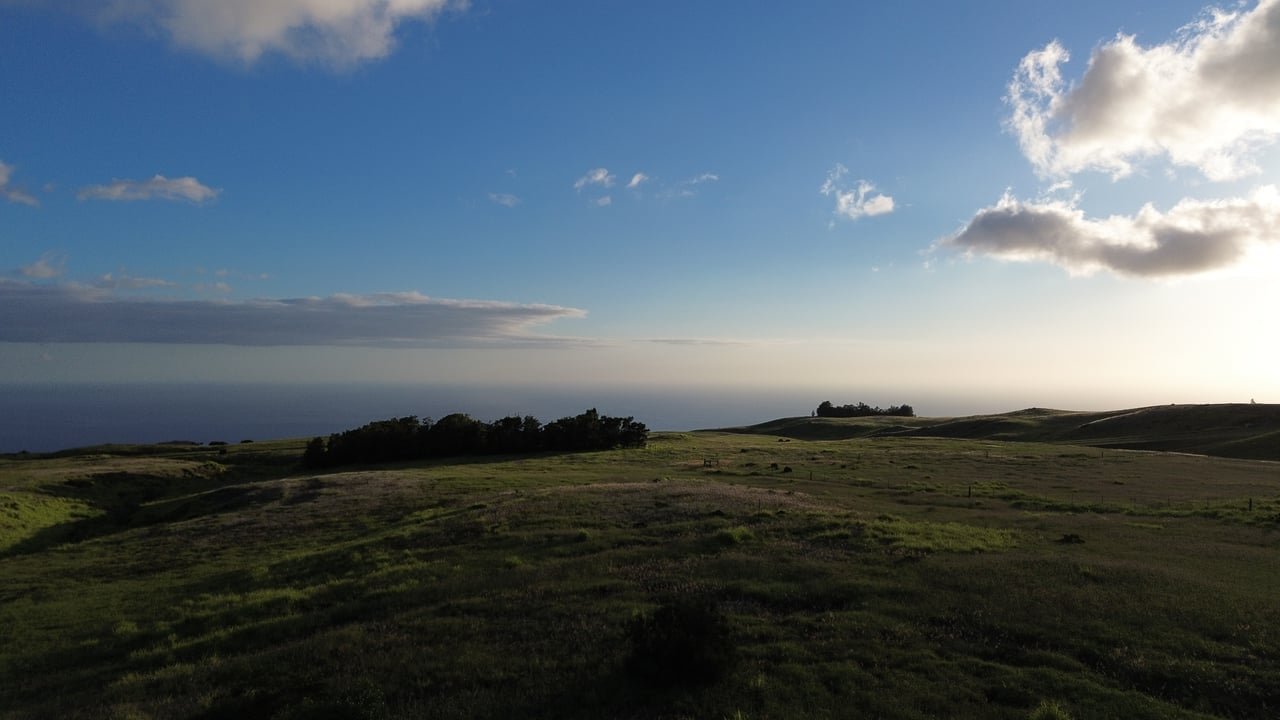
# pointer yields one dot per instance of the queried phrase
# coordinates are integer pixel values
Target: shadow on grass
(128, 512)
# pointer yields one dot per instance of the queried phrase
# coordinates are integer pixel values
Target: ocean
(44, 418)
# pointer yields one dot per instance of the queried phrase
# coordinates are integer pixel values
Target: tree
(457, 434)
(314, 455)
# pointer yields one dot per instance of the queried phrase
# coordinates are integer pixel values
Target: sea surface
(44, 418)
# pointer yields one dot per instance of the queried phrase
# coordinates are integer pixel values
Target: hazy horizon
(51, 417)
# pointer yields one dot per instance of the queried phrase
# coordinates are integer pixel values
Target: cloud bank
(111, 281)
(338, 32)
(55, 313)
(157, 188)
(10, 193)
(862, 200)
(1192, 237)
(1207, 100)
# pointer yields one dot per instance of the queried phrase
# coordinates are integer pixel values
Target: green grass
(889, 577)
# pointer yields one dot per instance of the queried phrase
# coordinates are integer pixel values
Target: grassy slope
(1241, 431)
(897, 578)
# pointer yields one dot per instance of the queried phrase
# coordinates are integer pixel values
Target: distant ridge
(1247, 431)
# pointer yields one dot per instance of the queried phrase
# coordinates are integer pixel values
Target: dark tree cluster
(826, 409)
(409, 438)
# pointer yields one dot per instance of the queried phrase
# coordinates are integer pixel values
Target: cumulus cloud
(50, 265)
(598, 176)
(604, 201)
(504, 199)
(637, 180)
(1206, 100)
(48, 313)
(13, 194)
(338, 32)
(1194, 236)
(862, 200)
(157, 188)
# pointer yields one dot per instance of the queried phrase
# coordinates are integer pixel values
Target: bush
(683, 643)
(1049, 710)
(735, 535)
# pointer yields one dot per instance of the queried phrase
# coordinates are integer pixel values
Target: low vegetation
(894, 577)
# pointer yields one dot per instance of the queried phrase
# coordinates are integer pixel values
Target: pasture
(901, 577)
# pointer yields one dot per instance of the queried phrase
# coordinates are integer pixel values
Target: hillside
(707, 575)
(1227, 430)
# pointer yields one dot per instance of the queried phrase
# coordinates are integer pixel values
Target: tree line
(826, 409)
(409, 438)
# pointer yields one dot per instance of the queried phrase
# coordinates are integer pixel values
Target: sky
(982, 205)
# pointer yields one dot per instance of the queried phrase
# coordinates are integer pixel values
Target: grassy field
(892, 577)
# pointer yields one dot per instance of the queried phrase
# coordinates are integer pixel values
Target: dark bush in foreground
(685, 643)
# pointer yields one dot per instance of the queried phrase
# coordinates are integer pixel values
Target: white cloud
(13, 194)
(50, 265)
(861, 201)
(637, 180)
(220, 287)
(47, 313)
(157, 188)
(684, 188)
(1194, 236)
(338, 32)
(598, 176)
(110, 281)
(604, 201)
(505, 199)
(1206, 100)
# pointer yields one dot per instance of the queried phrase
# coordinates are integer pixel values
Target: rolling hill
(1225, 430)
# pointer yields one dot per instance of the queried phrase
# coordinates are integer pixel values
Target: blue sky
(883, 202)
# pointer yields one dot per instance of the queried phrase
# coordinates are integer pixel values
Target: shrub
(735, 535)
(683, 643)
(1049, 710)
